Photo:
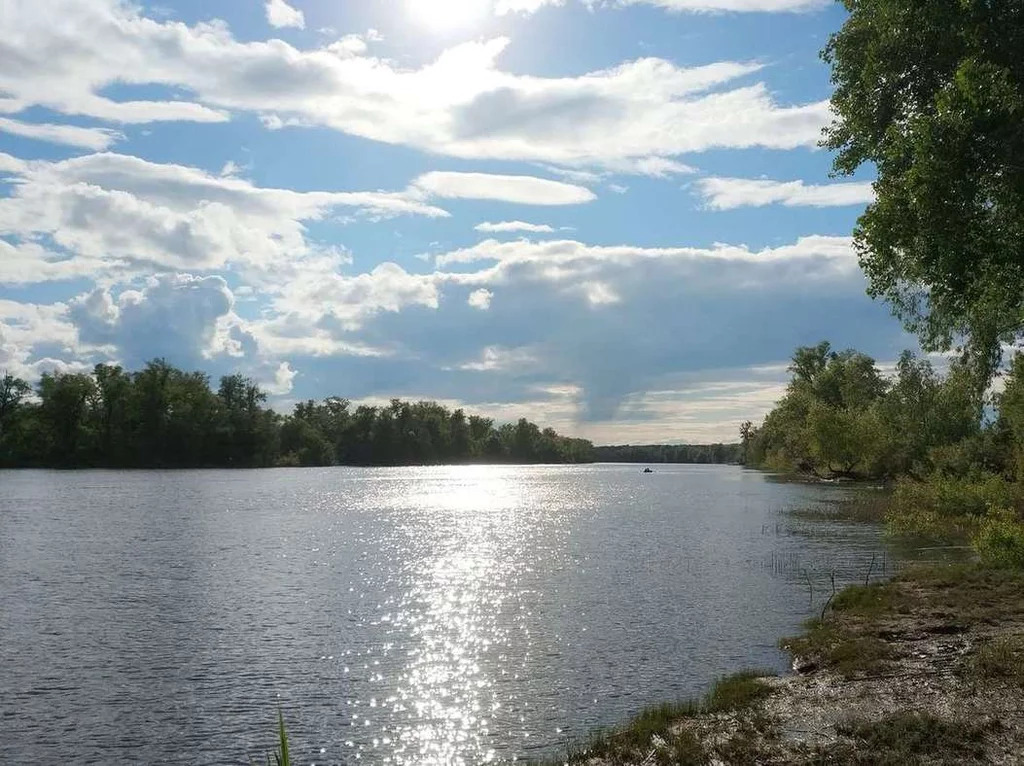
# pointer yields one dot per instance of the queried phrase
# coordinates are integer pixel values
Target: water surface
(397, 616)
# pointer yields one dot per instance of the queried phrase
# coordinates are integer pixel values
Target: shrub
(944, 507)
(1000, 540)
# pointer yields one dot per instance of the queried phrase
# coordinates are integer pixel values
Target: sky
(608, 216)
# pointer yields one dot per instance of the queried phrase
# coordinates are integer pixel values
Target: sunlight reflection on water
(452, 615)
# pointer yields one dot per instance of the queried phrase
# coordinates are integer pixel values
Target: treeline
(161, 416)
(670, 453)
(953, 451)
(841, 417)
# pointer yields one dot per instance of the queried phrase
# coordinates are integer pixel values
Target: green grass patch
(738, 691)
(832, 646)
(866, 600)
(656, 733)
(906, 739)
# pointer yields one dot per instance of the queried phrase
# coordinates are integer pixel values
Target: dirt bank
(925, 669)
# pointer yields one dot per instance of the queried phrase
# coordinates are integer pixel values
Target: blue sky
(608, 216)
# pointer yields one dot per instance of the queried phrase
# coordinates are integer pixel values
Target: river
(444, 615)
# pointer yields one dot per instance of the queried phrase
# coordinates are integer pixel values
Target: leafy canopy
(932, 93)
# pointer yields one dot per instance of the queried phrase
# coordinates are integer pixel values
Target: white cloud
(570, 259)
(463, 104)
(480, 299)
(280, 14)
(282, 381)
(735, 6)
(118, 213)
(496, 358)
(10, 164)
(507, 226)
(175, 317)
(72, 135)
(502, 7)
(730, 193)
(524, 190)
(340, 303)
(37, 337)
(600, 293)
(692, 6)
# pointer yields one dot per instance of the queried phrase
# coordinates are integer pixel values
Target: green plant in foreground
(281, 756)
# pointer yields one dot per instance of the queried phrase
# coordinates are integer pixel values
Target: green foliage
(841, 417)
(164, 417)
(946, 507)
(1000, 540)
(932, 95)
(281, 757)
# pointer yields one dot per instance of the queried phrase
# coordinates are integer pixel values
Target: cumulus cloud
(35, 338)
(524, 190)
(280, 14)
(480, 299)
(174, 316)
(121, 214)
(508, 226)
(611, 322)
(71, 135)
(731, 193)
(462, 104)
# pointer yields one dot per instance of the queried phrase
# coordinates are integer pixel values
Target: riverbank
(927, 668)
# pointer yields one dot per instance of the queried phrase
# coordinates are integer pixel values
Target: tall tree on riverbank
(931, 92)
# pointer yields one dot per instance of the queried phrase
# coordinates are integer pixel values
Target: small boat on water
(647, 470)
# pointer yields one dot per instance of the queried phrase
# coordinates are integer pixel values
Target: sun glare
(447, 15)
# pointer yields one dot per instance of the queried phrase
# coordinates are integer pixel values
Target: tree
(932, 94)
(13, 393)
(64, 406)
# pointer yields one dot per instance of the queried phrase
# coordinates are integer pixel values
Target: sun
(447, 15)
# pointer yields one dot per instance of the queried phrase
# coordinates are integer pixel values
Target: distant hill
(669, 453)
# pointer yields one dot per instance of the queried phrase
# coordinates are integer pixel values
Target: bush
(1000, 541)
(945, 507)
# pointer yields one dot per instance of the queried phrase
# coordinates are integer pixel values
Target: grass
(867, 507)
(967, 594)
(866, 600)
(835, 647)
(735, 692)
(281, 755)
(905, 739)
(1002, 658)
(656, 735)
